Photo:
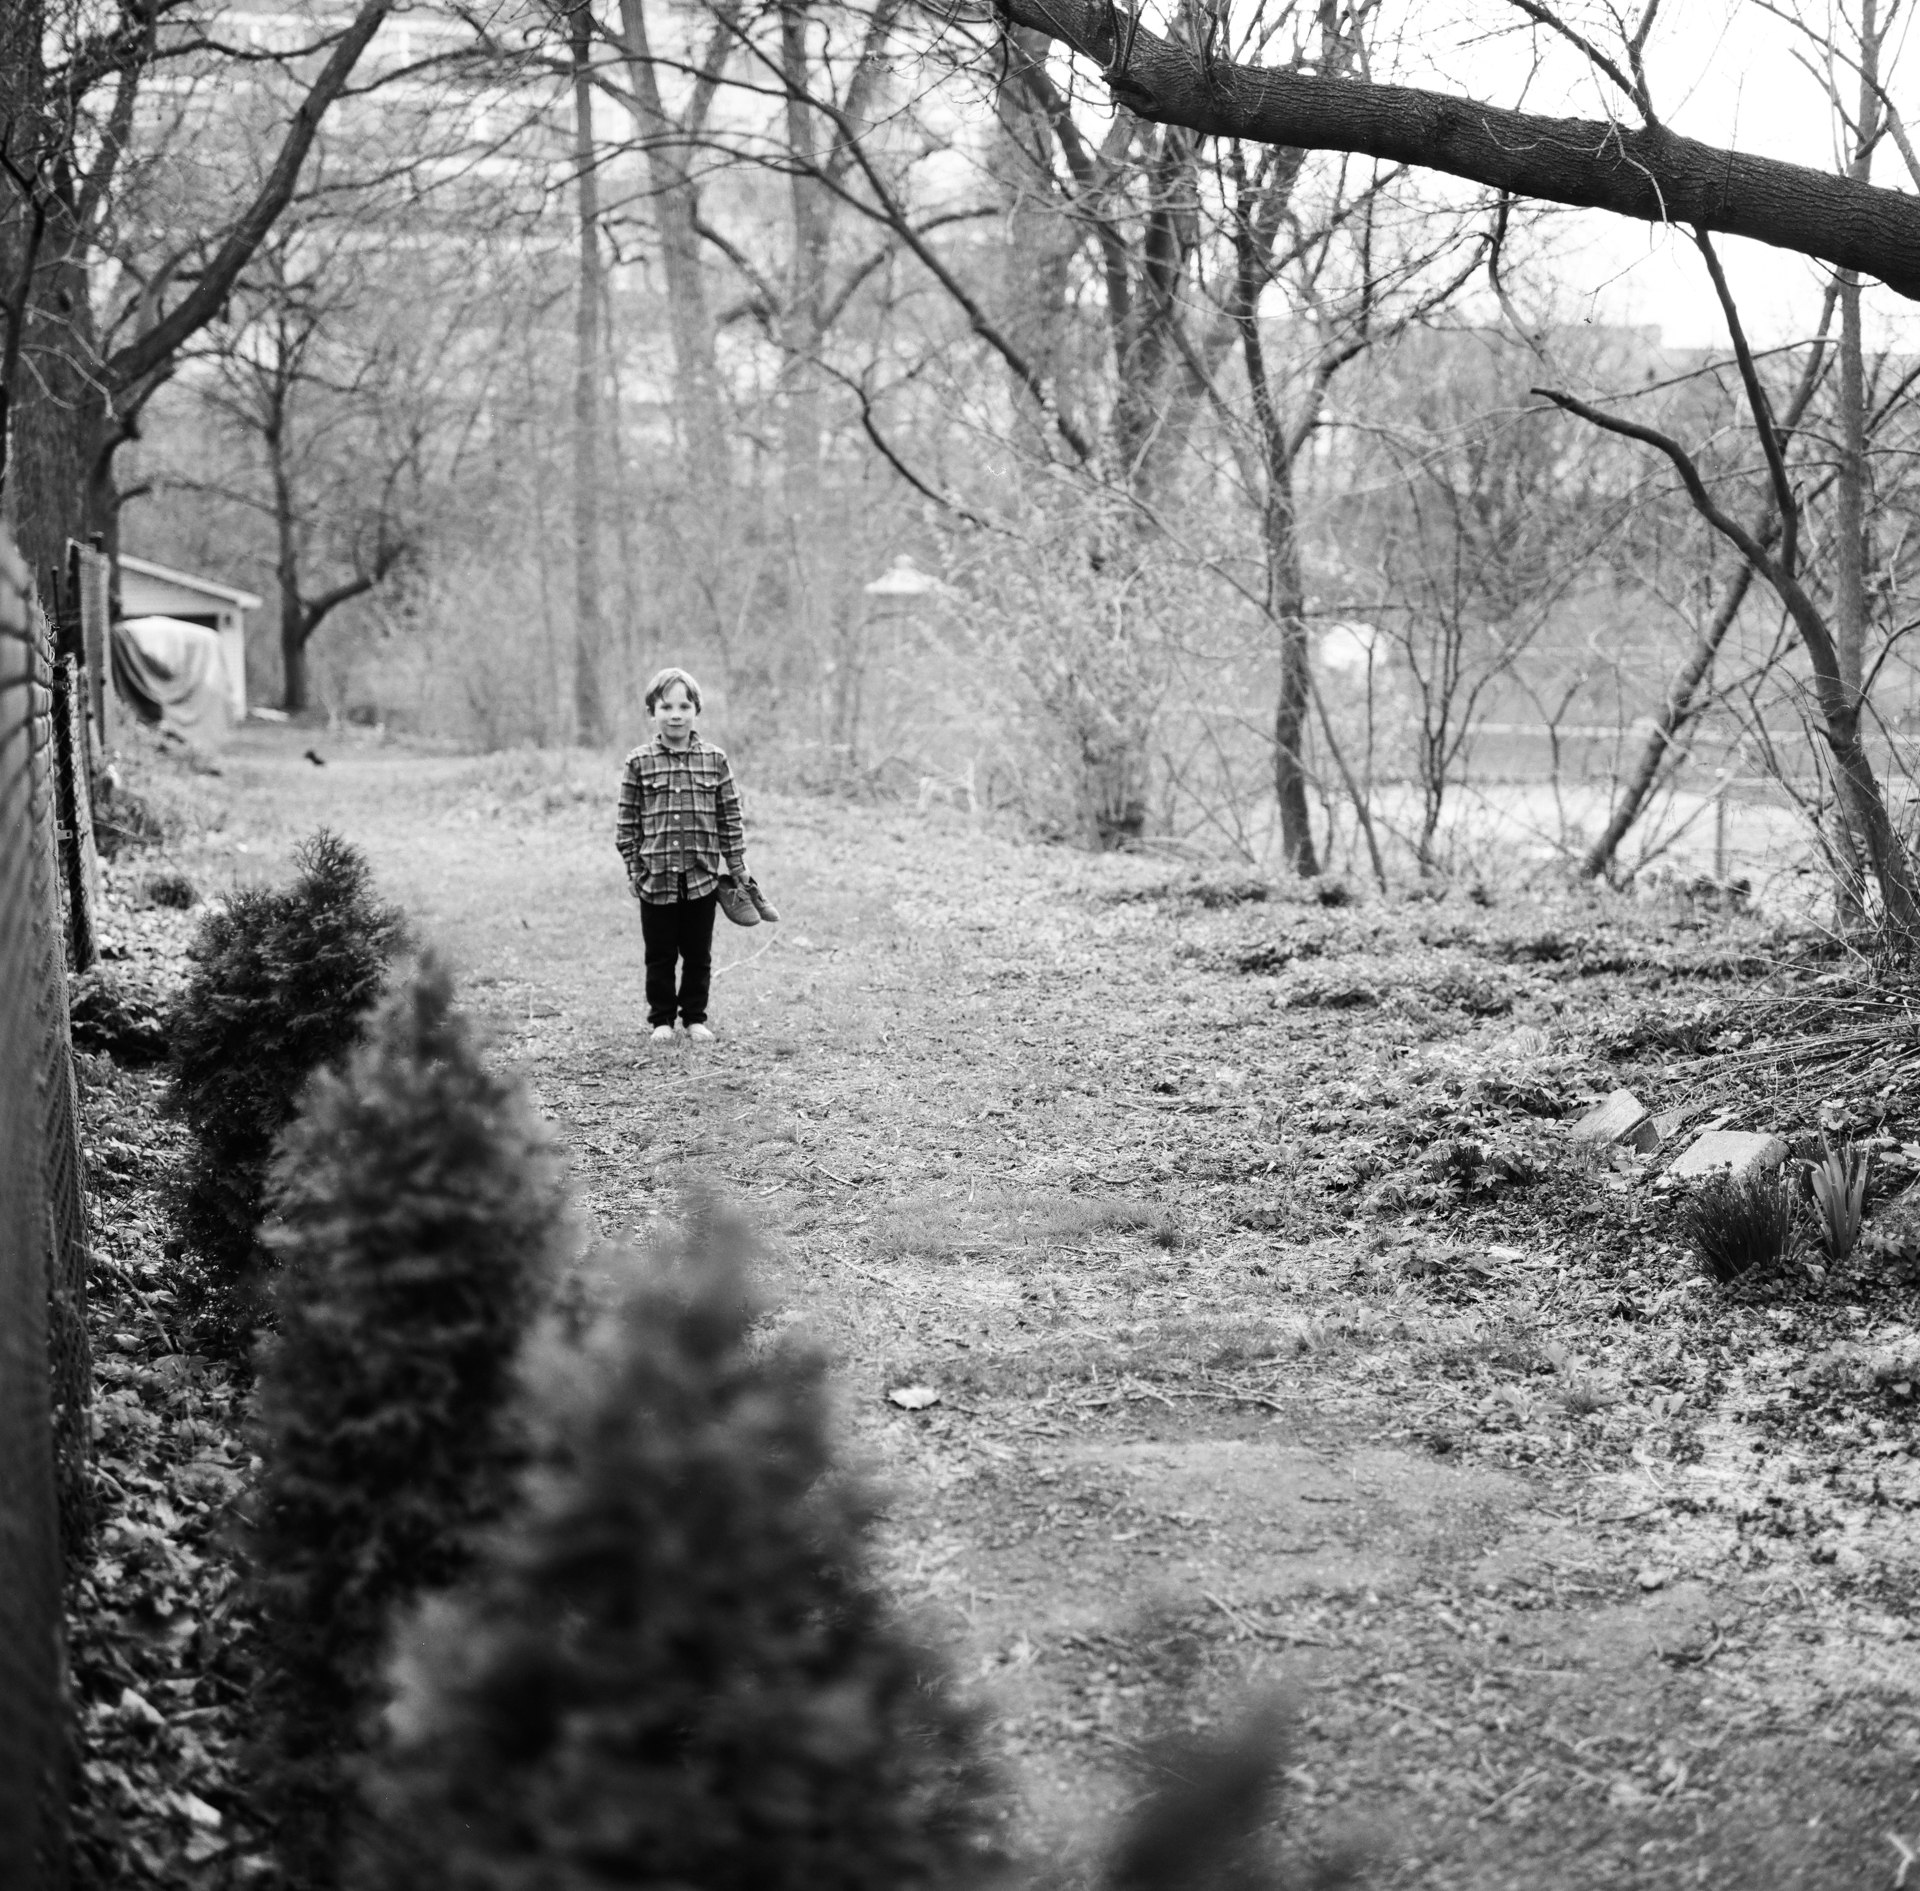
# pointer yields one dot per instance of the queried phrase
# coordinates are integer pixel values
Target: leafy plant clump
(114, 1016)
(173, 889)
(124, 820)
(415, 1210)
(677, 1668)
(1839, 1183)
(283, 979)
(1741, 1225)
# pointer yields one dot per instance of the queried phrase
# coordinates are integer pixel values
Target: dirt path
(1218, 1406)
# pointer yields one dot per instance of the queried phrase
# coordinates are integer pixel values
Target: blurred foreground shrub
(283, 978)
(676, 1668)
(415, 1210)
(1210, 1819)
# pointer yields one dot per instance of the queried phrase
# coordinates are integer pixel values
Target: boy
(679, 829)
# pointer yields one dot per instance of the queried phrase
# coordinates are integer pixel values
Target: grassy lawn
(1281, 1335)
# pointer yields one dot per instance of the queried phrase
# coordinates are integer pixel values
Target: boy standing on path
(679, 829)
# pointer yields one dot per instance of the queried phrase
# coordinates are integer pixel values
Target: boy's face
(674, 714)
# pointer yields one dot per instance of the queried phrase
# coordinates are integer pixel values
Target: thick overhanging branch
(1648, 173)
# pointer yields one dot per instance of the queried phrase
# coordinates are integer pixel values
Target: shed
(150, 590)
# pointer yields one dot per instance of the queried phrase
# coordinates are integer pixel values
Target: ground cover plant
(1839, 1182)
(414, 1220)
(1577, 1565)
(1741, 1224)
(283, 978)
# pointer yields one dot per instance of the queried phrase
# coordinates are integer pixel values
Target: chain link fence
(46, 913)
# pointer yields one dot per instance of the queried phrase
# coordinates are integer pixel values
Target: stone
(1621, 1121)
(1740, 1151)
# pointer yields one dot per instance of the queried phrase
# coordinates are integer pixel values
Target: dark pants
(682, 931)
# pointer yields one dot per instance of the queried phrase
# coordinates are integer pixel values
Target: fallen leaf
(914, 1398)
(135, 1706)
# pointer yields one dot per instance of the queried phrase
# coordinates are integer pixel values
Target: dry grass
(1012, 1221)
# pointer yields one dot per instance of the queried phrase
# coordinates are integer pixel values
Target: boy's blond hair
(665, 680)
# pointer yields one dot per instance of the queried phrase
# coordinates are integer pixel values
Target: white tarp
(174, 673)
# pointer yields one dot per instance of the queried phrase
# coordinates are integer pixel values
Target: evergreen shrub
(282, 980)
(676, 1669)
(415, 1213)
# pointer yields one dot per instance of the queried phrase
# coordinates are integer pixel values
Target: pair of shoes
(737, 903)
(663, 1034)
(699, 1034)
(762, 905)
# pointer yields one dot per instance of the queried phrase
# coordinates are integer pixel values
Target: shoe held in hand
(737, 903)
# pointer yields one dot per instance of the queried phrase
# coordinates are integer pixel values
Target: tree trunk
(293, 654)
(1145, 347)
(52, 400)
(589, 650)
(294, 629)
(286, 545)
(802, 327)
(1861, 800)
(1850, 573)
(805, 315)
(1651, 175)
(1286, 591)
(1866, 811)
(1433, 792)
(1287, 604)
(675, 205)
(1040, 236)
(1851, 474)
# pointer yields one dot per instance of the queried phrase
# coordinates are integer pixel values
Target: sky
(1728, 72)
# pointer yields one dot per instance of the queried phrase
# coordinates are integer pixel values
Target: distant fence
(48, 886)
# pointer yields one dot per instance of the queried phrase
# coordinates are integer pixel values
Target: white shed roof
(205, 587)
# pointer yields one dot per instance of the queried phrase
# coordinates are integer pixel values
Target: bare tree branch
(1648, 173)
(203, 301)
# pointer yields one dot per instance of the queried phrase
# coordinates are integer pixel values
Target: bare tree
(345, 381)
(73, 386)
(1688, 694)
(1468, 529)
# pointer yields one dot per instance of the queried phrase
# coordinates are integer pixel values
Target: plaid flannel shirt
(679, 815)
